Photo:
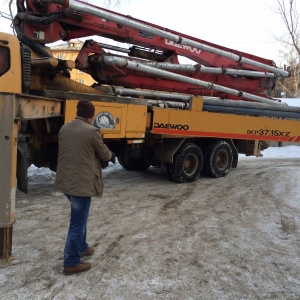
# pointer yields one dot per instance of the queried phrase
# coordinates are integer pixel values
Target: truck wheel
(133, 164)
(218, 159)
(122, 162)
(187, 163)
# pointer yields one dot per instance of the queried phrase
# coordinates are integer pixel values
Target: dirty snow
(235, 237)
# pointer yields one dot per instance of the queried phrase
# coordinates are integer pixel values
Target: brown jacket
(81, 150)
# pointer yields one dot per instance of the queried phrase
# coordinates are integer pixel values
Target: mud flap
(22, 165)
(165, 150)
(235, 154)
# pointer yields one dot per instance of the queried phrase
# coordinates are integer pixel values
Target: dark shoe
(90, 251)
(82, 267)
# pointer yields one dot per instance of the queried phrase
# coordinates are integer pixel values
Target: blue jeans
(76, 239)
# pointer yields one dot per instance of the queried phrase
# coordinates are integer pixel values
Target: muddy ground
(230, 238)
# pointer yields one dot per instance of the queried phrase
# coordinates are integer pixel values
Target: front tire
(187, 163)
(133, 164)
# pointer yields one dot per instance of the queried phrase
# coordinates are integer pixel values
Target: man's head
(85, 109)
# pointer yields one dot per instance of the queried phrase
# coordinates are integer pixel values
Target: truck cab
(11, 63)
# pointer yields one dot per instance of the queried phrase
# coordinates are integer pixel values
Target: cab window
(4, 60)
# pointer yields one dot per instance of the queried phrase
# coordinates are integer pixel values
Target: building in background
(69, 51)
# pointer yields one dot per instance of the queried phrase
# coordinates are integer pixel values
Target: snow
(282, 152)
(277, 152)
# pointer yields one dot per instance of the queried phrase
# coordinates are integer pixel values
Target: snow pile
(277, 152)
(282, 152)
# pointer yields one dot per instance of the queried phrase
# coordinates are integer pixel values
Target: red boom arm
(45, 22)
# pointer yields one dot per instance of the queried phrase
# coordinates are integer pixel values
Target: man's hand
(104, 164)
(113, 158)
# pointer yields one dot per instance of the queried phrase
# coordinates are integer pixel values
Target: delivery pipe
(252, 112)
(198, 68)
(151, 93)
(124, 63)
(256, 112)
(246, 104)
(215, 101)
(122, 20)
(168, 104)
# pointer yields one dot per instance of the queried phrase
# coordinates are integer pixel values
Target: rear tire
(218, 159)
(187, 163)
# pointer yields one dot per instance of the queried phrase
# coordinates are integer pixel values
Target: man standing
(79, 177)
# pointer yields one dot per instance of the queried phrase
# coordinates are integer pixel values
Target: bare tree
(290, 16)
(287, 9)
(7, 14)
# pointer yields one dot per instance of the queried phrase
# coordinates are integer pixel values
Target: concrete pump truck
(188, 119)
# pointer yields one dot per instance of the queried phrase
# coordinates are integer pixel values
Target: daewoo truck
(190, 120)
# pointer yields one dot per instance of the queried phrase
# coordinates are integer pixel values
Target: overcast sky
(242, 25)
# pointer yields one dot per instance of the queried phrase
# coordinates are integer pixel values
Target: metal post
(8, 157)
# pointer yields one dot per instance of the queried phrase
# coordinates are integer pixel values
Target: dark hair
(85, 109)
